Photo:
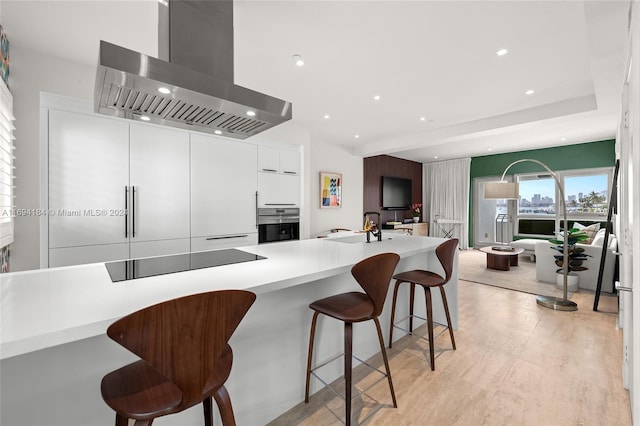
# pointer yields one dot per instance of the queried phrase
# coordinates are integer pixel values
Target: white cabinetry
(278, 190)
(268, 159)
(88, 171)
(278, 177)
(275, 160)
(223, 193)
(159, 190)
(116, 190)
(289, 162)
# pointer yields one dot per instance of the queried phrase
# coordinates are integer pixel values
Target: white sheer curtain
(446, 189)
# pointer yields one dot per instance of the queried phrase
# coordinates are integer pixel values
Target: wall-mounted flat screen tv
(396, 193)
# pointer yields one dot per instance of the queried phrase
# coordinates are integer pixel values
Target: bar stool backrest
(446, 252)
(374, 276)
(183, 338)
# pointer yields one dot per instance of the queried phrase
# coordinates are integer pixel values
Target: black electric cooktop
(140, 268)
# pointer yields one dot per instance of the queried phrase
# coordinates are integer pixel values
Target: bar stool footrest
(360, 391)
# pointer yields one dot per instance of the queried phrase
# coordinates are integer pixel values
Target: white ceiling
(432, 59)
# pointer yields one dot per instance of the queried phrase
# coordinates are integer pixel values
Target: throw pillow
(591, 231)
(599, 238)
(578, 225)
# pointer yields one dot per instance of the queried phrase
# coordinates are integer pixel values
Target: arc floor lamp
(509, 191)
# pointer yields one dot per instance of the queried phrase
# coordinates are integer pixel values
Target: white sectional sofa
(528, 245)
(546, 267)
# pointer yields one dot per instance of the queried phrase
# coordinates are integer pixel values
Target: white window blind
(6, 166)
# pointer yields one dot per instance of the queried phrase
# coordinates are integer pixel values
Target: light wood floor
(516, 364)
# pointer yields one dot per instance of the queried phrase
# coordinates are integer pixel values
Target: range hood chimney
(191, 85)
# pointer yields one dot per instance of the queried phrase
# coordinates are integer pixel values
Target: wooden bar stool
(374, 276)
(185, 358)
(427, 279)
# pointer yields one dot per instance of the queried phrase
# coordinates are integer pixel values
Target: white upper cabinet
(159, 183)
(88, 176)
(290, 162)
(275, 160)
(268, 159)
(223, 187)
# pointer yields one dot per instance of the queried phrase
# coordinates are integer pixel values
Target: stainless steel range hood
(193, 89)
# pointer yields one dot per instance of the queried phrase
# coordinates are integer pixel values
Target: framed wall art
(330, 190)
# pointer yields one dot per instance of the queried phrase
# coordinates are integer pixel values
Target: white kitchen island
(55, 352)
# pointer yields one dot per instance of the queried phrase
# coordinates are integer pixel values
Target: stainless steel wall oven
(278, 224)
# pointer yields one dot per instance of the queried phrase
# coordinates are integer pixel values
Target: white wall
(330, 158)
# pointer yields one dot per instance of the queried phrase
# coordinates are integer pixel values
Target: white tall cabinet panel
(116, 190)
(159, 183)
(223, 188)
(88, 174)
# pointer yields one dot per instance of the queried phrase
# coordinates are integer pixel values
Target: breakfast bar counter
(54, 349)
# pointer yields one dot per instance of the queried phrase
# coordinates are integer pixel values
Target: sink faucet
(372, 227)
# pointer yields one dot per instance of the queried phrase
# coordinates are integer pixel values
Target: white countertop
(49, 307)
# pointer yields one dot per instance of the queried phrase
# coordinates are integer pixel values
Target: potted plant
(416, 211)
(575, 255)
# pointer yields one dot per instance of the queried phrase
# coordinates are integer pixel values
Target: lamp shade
(501, 190)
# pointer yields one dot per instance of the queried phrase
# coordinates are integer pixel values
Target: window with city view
(537, 196)
(586, 194)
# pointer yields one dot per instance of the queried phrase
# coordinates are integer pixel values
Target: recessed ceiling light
(376, 97)
(502, 52)
(298, 60)
(356, 136)
(217, 132)
(529, 92)
(326, 116)
(563, 139)
(164, 90)
(435, 156)
(144, 118)
(423, 118)
(488, 149)
(251, 113)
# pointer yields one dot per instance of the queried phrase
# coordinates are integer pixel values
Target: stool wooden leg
(143, 422)
(412, 296)
(393, 311)
(224, 406)
(386, 361)
(311, 337)
(446, 311)
(427, 296)
(207, 407)
(121, 421)
(348, 360)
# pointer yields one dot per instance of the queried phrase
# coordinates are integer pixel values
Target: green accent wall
(567, 157)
